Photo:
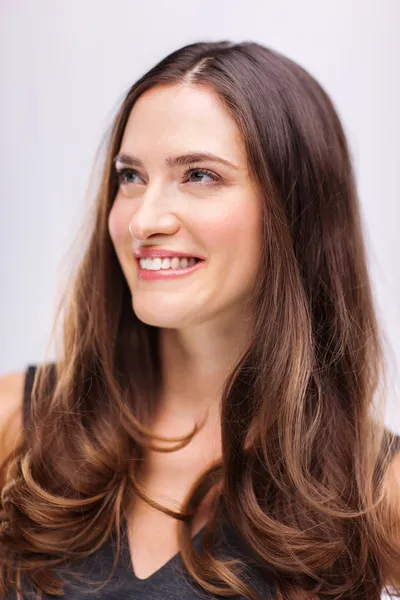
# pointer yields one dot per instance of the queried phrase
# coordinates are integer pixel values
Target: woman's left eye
(202, 172)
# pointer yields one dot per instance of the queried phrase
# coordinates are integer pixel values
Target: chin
(161, 316)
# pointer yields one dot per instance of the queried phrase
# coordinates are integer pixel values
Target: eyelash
(121, 172)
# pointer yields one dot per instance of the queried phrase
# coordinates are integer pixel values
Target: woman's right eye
(126, 176)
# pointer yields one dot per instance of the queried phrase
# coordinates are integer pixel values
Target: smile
(156, 264)
(167, 268)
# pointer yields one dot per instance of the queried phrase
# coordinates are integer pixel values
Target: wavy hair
(304, 451)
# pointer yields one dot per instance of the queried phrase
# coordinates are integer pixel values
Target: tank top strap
(30, 372)
(28, 384)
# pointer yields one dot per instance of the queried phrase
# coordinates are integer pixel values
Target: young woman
(210, 426)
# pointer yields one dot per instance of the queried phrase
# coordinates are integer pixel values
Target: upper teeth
(155, 264)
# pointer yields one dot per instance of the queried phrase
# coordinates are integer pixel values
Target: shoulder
(392, 477)
(11, 407)
(396, 469)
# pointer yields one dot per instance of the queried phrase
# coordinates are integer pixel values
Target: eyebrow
(182, 160)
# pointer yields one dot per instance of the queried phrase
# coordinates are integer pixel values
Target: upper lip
(163, 253)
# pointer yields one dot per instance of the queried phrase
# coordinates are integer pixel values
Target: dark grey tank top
(170, 582)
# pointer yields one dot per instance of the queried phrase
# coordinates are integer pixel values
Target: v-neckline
(127, 557)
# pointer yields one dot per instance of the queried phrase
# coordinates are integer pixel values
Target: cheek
(234, 231)
(118, 223)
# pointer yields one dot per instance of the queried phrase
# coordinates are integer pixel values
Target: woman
(207, 425)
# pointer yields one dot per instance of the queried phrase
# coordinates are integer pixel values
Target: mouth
(167, 267)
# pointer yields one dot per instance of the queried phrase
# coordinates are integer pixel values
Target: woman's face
(212, 211)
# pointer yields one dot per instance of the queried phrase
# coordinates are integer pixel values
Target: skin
(204, 317)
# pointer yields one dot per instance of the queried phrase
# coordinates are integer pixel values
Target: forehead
(181, 118)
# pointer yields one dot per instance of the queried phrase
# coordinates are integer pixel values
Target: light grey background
(64, 68)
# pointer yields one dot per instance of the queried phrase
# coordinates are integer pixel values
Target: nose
(153, 217)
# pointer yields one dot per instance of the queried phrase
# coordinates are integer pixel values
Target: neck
(195, 365)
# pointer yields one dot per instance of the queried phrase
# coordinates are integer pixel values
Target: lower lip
(148, 275)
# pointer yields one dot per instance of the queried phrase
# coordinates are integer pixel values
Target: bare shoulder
(394, 474)
(392, 482)
(11, 400)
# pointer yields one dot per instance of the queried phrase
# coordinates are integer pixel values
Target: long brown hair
(303, 448)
